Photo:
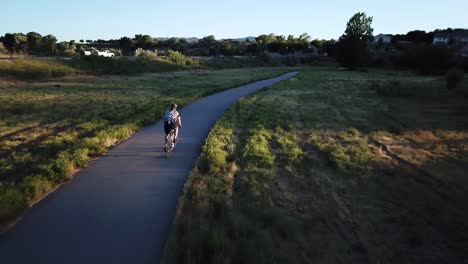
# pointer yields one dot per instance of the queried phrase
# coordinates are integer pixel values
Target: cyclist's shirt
(171, 116)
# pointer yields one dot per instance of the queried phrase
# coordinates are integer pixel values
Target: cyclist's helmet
(173, 106)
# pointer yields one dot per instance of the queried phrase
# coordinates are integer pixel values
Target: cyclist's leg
(176, 133)
(167, 131)
(174, 130)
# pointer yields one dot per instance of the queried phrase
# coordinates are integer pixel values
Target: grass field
(35, 69)
(49, 129)
(331, 167)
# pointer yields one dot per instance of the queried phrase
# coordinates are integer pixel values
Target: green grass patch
(36, 69)
(331, 166)
(50, 129)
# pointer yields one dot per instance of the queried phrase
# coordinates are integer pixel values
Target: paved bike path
(120, 208)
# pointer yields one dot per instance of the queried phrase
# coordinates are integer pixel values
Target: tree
(227, 48)
(62, 47)
(126, 45)
(10, 42)
(143, 41)
(329, 48)
(22, 44)
(266, 39)
(304, 38)
(175, 43)
(207, 42)
(353, 49)
(33, 40)
(317, 43)
(49, 42)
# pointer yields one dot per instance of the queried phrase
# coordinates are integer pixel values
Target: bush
(421, 89)
(353, 53)
(146, 53)
(429, 59)
(180, 59)
(454, 78)
(11, 202)
(2, 49)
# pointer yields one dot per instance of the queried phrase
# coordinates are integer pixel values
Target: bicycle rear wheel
(170, 144)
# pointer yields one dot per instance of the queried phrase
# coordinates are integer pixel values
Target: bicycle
(170, 145)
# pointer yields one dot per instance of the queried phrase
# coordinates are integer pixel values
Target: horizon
(117, 19)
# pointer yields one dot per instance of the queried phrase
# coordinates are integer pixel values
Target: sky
(325, 19)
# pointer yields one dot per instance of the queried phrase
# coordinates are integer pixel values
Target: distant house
(383, 38)
(458, 38)
(441, 38)
(461, 38)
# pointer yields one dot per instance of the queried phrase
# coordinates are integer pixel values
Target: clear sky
(106, 19)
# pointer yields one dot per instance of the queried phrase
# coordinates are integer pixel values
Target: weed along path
(119, 209)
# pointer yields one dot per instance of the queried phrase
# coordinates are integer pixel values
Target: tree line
(34, 43)
(355, 50)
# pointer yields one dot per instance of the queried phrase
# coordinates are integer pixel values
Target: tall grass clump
(291, 151)
(146, 53)
(180, 59)
(347, 150)
(257, 151)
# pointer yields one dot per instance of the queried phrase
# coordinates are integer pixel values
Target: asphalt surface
(120, 208)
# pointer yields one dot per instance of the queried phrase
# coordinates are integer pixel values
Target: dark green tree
(22, 46)
(49, 43)
(34, 40)
(318, 43)
(143, 41)
(207, 42)
(126, 45)
(353, 50)
(62, 48)
(10, 42)
(210, 44)
(176, 43)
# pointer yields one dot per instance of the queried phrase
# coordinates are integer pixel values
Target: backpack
(169, 117)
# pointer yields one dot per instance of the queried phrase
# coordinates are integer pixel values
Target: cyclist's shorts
(169, 127)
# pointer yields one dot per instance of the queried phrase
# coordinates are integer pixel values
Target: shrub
(2, 49)
(146, 53)
(454, 78)
(353, 53)
(180, 59)
(35, 187)
(409, 89)
(11, 202)
(429, 59)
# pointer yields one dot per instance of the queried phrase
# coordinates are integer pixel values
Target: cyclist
(172, 121)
